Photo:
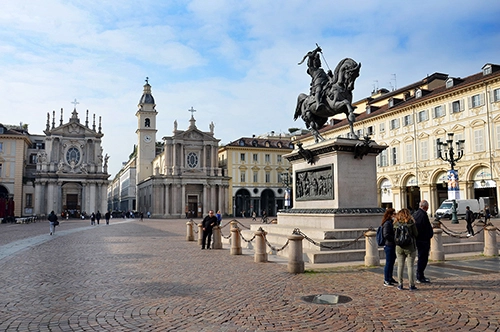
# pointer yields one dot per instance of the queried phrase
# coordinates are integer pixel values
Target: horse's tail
(298, 109)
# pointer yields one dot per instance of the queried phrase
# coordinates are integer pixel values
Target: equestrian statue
(330, 94)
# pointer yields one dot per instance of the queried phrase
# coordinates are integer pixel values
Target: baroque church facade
(177, 176)
(71, 171)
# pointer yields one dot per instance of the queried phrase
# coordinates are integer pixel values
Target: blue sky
(235, 62)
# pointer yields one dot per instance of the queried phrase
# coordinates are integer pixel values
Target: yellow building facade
(411, 121)
(257, 170)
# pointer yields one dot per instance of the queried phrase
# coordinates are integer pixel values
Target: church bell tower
(146, 134)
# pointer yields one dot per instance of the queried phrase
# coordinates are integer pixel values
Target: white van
(444, 210)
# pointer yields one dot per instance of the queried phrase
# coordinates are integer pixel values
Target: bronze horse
(336, 98)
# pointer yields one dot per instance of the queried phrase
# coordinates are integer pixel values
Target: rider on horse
(319, 78)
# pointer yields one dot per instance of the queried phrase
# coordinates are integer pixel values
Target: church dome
(147, 97)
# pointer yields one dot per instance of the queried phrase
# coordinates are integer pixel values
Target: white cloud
(233, 61)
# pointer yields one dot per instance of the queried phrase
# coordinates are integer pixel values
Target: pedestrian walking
(141, 215)
(487, 214)
(425, 233)
(254, 216)
(469, 218)
(53, 222)
(92, 219)
(98, 216)
(208, 223)
(107, 216)
(390, 246)
(406, 252)
(149, 214)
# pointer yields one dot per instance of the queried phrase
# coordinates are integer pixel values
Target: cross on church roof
(192, 110)
(74, 102)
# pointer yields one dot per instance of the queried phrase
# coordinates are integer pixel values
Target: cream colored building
(256, 166)
(411, 120)
(18, 157)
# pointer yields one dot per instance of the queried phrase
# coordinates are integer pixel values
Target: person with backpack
(425, 233)
(405, 235)
(389, 246)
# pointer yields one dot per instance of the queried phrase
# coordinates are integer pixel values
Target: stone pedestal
(336, 188)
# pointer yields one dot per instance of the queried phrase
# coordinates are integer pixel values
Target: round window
(192, 159)
(73, 155)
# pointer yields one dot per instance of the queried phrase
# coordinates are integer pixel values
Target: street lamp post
(446, 152)
(286, 179)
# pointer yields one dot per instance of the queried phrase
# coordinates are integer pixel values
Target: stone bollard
(200, 233)
(437, 249)
(295, 256)
(217, 244)
(235, 241)
(260, 255)
(190, 233)
(372, 257)
(490, 241)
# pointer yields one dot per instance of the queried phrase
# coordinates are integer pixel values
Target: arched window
(147, 122)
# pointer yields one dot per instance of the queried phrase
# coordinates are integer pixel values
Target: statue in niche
(83, 168)
(330, 93)
(60, 167)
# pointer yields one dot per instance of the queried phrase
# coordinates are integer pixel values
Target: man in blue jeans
(425, 234)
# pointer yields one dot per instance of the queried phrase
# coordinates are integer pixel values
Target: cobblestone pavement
(145, 276)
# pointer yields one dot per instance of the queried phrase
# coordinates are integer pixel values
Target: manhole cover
(326, 299)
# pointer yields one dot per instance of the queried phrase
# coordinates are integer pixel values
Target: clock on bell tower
(146, 133)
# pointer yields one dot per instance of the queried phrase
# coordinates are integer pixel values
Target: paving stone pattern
(145, 276)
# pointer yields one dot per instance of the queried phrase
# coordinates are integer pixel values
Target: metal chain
(241, 235)
(274, 249)
(459, 235)
(297, 231)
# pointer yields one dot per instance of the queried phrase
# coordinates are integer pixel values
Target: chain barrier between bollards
(460, 235)
(297, 231)
(241, 235)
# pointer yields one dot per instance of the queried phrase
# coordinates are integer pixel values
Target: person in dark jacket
(52, 221)
(208, 223)
(469, 219)
(390, 246)
(425, 234)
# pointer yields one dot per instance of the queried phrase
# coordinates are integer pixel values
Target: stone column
(190, 233)
(212, 198)
(490, 241)
(92, 198)
(235, 240)
(260, 255)
(180, 209)
(38, 198)
(104, 204)
(217, 244)
(220, 199)
(50, 197)
(205, 208)
(295, 254)
(372, 257)
(167, 198)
